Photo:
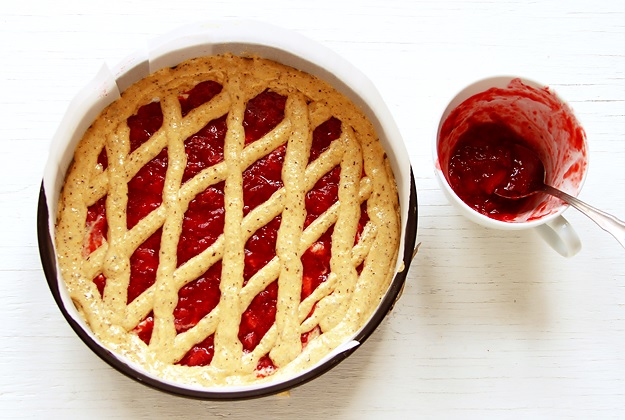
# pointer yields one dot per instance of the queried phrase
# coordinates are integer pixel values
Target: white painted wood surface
(491, 324)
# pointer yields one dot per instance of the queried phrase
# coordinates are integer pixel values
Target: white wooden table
(491, 324)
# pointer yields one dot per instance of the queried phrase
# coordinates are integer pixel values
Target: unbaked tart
(228, 221)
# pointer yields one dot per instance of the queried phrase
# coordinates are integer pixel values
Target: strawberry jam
(487, 157)
(203, 221)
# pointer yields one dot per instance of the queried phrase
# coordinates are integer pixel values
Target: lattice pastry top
(228, 221)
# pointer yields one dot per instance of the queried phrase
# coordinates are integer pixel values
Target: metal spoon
(513, 189)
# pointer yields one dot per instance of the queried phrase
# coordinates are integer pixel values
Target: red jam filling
(262, 114)
(97, 226)
(197, 299)
(262, 178)
(486, 157)
(200, 94)
(204, 220)
(201, 354)
(205, 148)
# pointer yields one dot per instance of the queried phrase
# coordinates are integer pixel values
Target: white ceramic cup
(549, 126)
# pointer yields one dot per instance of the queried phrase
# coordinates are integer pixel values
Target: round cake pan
(239, 38)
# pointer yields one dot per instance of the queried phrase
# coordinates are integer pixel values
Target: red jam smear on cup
(501, 135)
(204, 220)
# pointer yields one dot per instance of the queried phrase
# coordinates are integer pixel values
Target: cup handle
(560, 235)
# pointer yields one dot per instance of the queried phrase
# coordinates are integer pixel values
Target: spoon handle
(606, 221)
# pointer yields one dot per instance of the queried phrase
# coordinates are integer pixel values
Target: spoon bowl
(526, 174)
(528, 178)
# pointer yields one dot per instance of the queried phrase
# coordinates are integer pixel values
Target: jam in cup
(500, 126)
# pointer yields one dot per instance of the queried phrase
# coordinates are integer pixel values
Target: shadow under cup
(541, 119)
